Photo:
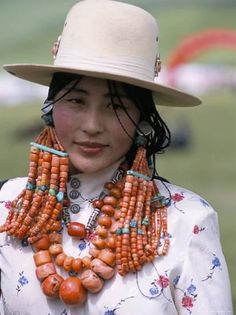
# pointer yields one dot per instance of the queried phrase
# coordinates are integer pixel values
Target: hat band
(120, 66)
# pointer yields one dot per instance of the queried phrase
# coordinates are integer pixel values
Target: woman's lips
(90, 147)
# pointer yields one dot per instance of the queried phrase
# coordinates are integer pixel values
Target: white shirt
(191, 279)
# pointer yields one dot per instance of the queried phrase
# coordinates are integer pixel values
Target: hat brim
(163, 95)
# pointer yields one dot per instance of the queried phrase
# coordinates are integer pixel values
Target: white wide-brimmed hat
(111, 40)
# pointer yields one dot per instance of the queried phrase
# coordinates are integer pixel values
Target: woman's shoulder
(186, 205)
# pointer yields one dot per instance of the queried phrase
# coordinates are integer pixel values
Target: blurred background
(198, 53)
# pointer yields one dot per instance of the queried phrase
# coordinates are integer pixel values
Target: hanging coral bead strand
(41, 201)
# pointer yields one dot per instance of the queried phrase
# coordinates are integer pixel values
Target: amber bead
(108, 209)
(76, 264)
(111, 242)
(107, 257)
(110, 200)
(115, 192)
(93, 251)
(42, 257)
(98, 203)
(51, 285)
(72, 292)
(67, 263)
(60, 259)
(86, 260)
(117, 214)
(45, 270)
(76, 229)
(55, 238)
(55, 249)
(91, 281)
(102, 269)
(99, 242)
(105, 220)
(109, 185)
(101, 231)
(42, 244)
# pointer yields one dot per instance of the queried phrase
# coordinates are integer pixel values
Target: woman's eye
(115, 106)
(75, 100)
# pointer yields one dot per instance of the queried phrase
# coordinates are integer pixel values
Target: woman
(93, 229)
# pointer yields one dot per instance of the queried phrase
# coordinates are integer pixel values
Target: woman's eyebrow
(120, 95)
(106, 95)
(77, 89)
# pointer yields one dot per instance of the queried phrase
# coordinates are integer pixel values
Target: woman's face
(88, 128)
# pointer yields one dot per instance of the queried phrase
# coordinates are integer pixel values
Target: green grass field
(207, 166)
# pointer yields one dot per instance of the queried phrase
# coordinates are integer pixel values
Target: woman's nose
(93, 122)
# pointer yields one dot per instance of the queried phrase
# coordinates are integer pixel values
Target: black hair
(160, 137)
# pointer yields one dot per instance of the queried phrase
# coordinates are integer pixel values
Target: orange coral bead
(72, 292)
(55, 237)
(108, 210)
(94, 252)
(109, 185)
(110, 200)
(56, 226)
(91, 281)
(42, 257)
(101, 231)
(76, 264)
(51, 285)
(76, 229)
(42, 244)
(64, 161)
(111, 242)
(105, 220)
(60, 259)
(116, 192)
(67, 263)
(98, 203)
(86, 260)
(107, 257)
(99, 242)
(45, 270)
(55, 249)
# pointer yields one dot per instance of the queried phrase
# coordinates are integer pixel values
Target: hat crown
(109, 40)
(110, 35)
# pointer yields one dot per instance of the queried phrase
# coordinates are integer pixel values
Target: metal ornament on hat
(55, 47)
(157, 67)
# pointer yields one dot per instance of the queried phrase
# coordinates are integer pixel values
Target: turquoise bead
(30, 186)
(52, 192)
(125, 231)
(145, 221)
(60, 196)
(118, 231)
(133, 223)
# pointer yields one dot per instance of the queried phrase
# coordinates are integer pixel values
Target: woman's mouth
(90, 147)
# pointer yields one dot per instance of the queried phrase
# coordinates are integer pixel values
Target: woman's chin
(86, 166)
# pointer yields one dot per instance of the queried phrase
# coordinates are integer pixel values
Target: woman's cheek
(63, 124)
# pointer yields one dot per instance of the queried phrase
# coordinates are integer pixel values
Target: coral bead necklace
(128, 222)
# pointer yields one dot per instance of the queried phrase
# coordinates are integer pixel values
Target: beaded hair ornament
(130, 218)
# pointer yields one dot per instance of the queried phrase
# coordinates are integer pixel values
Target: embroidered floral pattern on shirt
(215, 264)
(197, 229)
(159, 285)
(22, 281)
(118, 305)
(177, 197)
(189, 295)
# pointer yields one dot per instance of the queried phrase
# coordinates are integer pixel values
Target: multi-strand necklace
(129, 219)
